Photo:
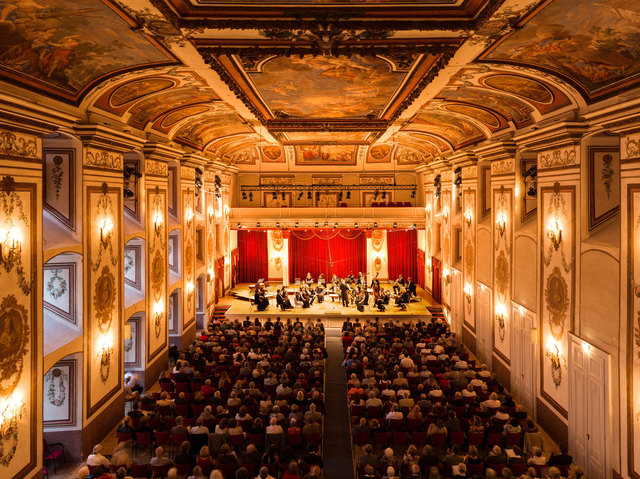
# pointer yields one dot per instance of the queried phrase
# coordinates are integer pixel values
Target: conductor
(344, 293)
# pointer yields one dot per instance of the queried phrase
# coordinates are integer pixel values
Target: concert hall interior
(304, 239)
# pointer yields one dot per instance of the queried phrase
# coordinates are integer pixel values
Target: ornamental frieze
(102, 159)
(557, 158)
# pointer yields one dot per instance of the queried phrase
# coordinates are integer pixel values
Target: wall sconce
(158, 315)
(10, 246)
(445, 213)
(468, 291)
(521, 309)
(500, 313)
(210, 213)
(106, 229)
(428, 207)
(190, 289)
(467, 218)
(105, 351)
(210, 275)
(501, 223)
(158, 221)
(554, 233)
(553, 354)
(12, 410)
(227, 210)
(586, 347)
(189, 216)
(446, 275)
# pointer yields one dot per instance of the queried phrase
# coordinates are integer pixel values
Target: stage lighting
(375, 225)
(239, 226)
(198, 171)
(128, 193)
(348, 195)
(308, 195)
(131, 170)
(413, 194)
(316, 224)
(258, 224)
(340, 196)
(300, 195)
(355, 225)
(274, 196)
(375, 195)
(395, 225)
(250, 196)
(283, 196)
(297, 224)
(277, 224)
(244, 195)
(414, 226)
(384, 195)
(326, 223)
(335, 225)
(532, 192)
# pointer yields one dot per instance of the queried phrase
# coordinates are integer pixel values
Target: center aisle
(337, 441)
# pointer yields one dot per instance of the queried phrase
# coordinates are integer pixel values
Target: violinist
(282, 299)
(320, 292)
(398, 284)
(260, 298)
(308, 280)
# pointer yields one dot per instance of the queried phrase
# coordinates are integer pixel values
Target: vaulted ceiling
(322, 82)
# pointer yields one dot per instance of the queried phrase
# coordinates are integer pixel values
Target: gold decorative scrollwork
(14, 340)
(556, 295)
(157, 275)
(377, 264)
(377, 240)
(277, 240)
(104, 298)
(502, 274)
(104, 210)
(557, 209)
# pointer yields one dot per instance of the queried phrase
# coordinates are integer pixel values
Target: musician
(350, 279)
(384, 296)
(362, 299)
(411, 287)
(308, 280)
(361, 279)
(320, 292)
(282, 299)
(335, 280)
(398, 285)
(344, 293)
(260, 298)
(403, 299)
(303, 297)
(381, 300)
(322, 280)
(375, 286)
(375, 280)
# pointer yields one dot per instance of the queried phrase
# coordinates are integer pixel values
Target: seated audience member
(184, 457)
(159, 459)
(537, 459)
(97, 459)
(120, 457)
(562, 459)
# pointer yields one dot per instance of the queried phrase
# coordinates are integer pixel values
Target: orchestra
(350, 291)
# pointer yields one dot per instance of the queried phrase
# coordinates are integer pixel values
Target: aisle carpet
(337, 441)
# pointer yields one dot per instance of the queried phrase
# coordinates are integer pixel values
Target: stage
(332, 313)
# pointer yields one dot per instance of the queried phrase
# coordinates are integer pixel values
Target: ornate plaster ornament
(14, 341)
(104, 299)
(56, 395)
(157, 275)
(556, 295)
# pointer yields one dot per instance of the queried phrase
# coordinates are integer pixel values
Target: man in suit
(411, 286)
(344, 293)
(398, 284)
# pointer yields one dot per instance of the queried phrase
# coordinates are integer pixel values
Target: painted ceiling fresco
(594, 45)
(257, 82)
(359, 85)
(65, 46)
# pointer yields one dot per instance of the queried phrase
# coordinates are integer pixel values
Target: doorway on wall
(523, 354)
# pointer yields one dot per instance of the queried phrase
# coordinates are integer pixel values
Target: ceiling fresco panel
(326, 155)
(595, 46)
(206, 128)
(454, 129)
(65, 46)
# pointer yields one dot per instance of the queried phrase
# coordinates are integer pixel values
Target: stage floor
(333, 313)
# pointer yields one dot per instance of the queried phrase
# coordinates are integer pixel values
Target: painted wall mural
(104, 309)
(209, 126)
(59, 184)
(157, 270)
(65, 46)
(326, 154)
(405, 155)
(469, 256)
(59, 405)
(557, 290)
(598, 54)
(132, 345)
(298, 86)
(59, 290)
(132, 266)
(502, 256)
(451, 127)
(19, 388)
(379, 153)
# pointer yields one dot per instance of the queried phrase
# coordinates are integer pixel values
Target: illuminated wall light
(468, 292)
(521, 309)
(482, 287)
(467, 218)
(227, 210)
(210, 213)
(428, 207)
(210, 275)
(12, 410)
(517, 191)
(446, 274)
(501, 223)
(189, 216)
(586, 347)
(10, 245)
(158, 221)
(554, 233)
(226, 260)
(106, 229)
(158, 315)
(445, 212)
(104, 353)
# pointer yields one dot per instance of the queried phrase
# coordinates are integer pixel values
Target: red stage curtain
(402, 254)
(333, 251)
(253, 256)
(436, 282)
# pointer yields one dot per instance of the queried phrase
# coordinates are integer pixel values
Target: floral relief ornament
(57, 285)
(56, 174)
(607, 174)
(129, 262)
(104, 209)
(104, 299)
(557, 209)
(56, 398)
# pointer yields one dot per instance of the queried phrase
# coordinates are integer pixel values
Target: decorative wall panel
(557, 290)
(633, 331)
(19, 326)
(469, 257)
(132, 266)
(157, 271)
(59, 289)
(502, 266)
(210, 247)
(104, 279)
(446, 244)
(604, 184)
(132, 344)
(59, 185)
(429, 241)
(188, 259)
(59, 407)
